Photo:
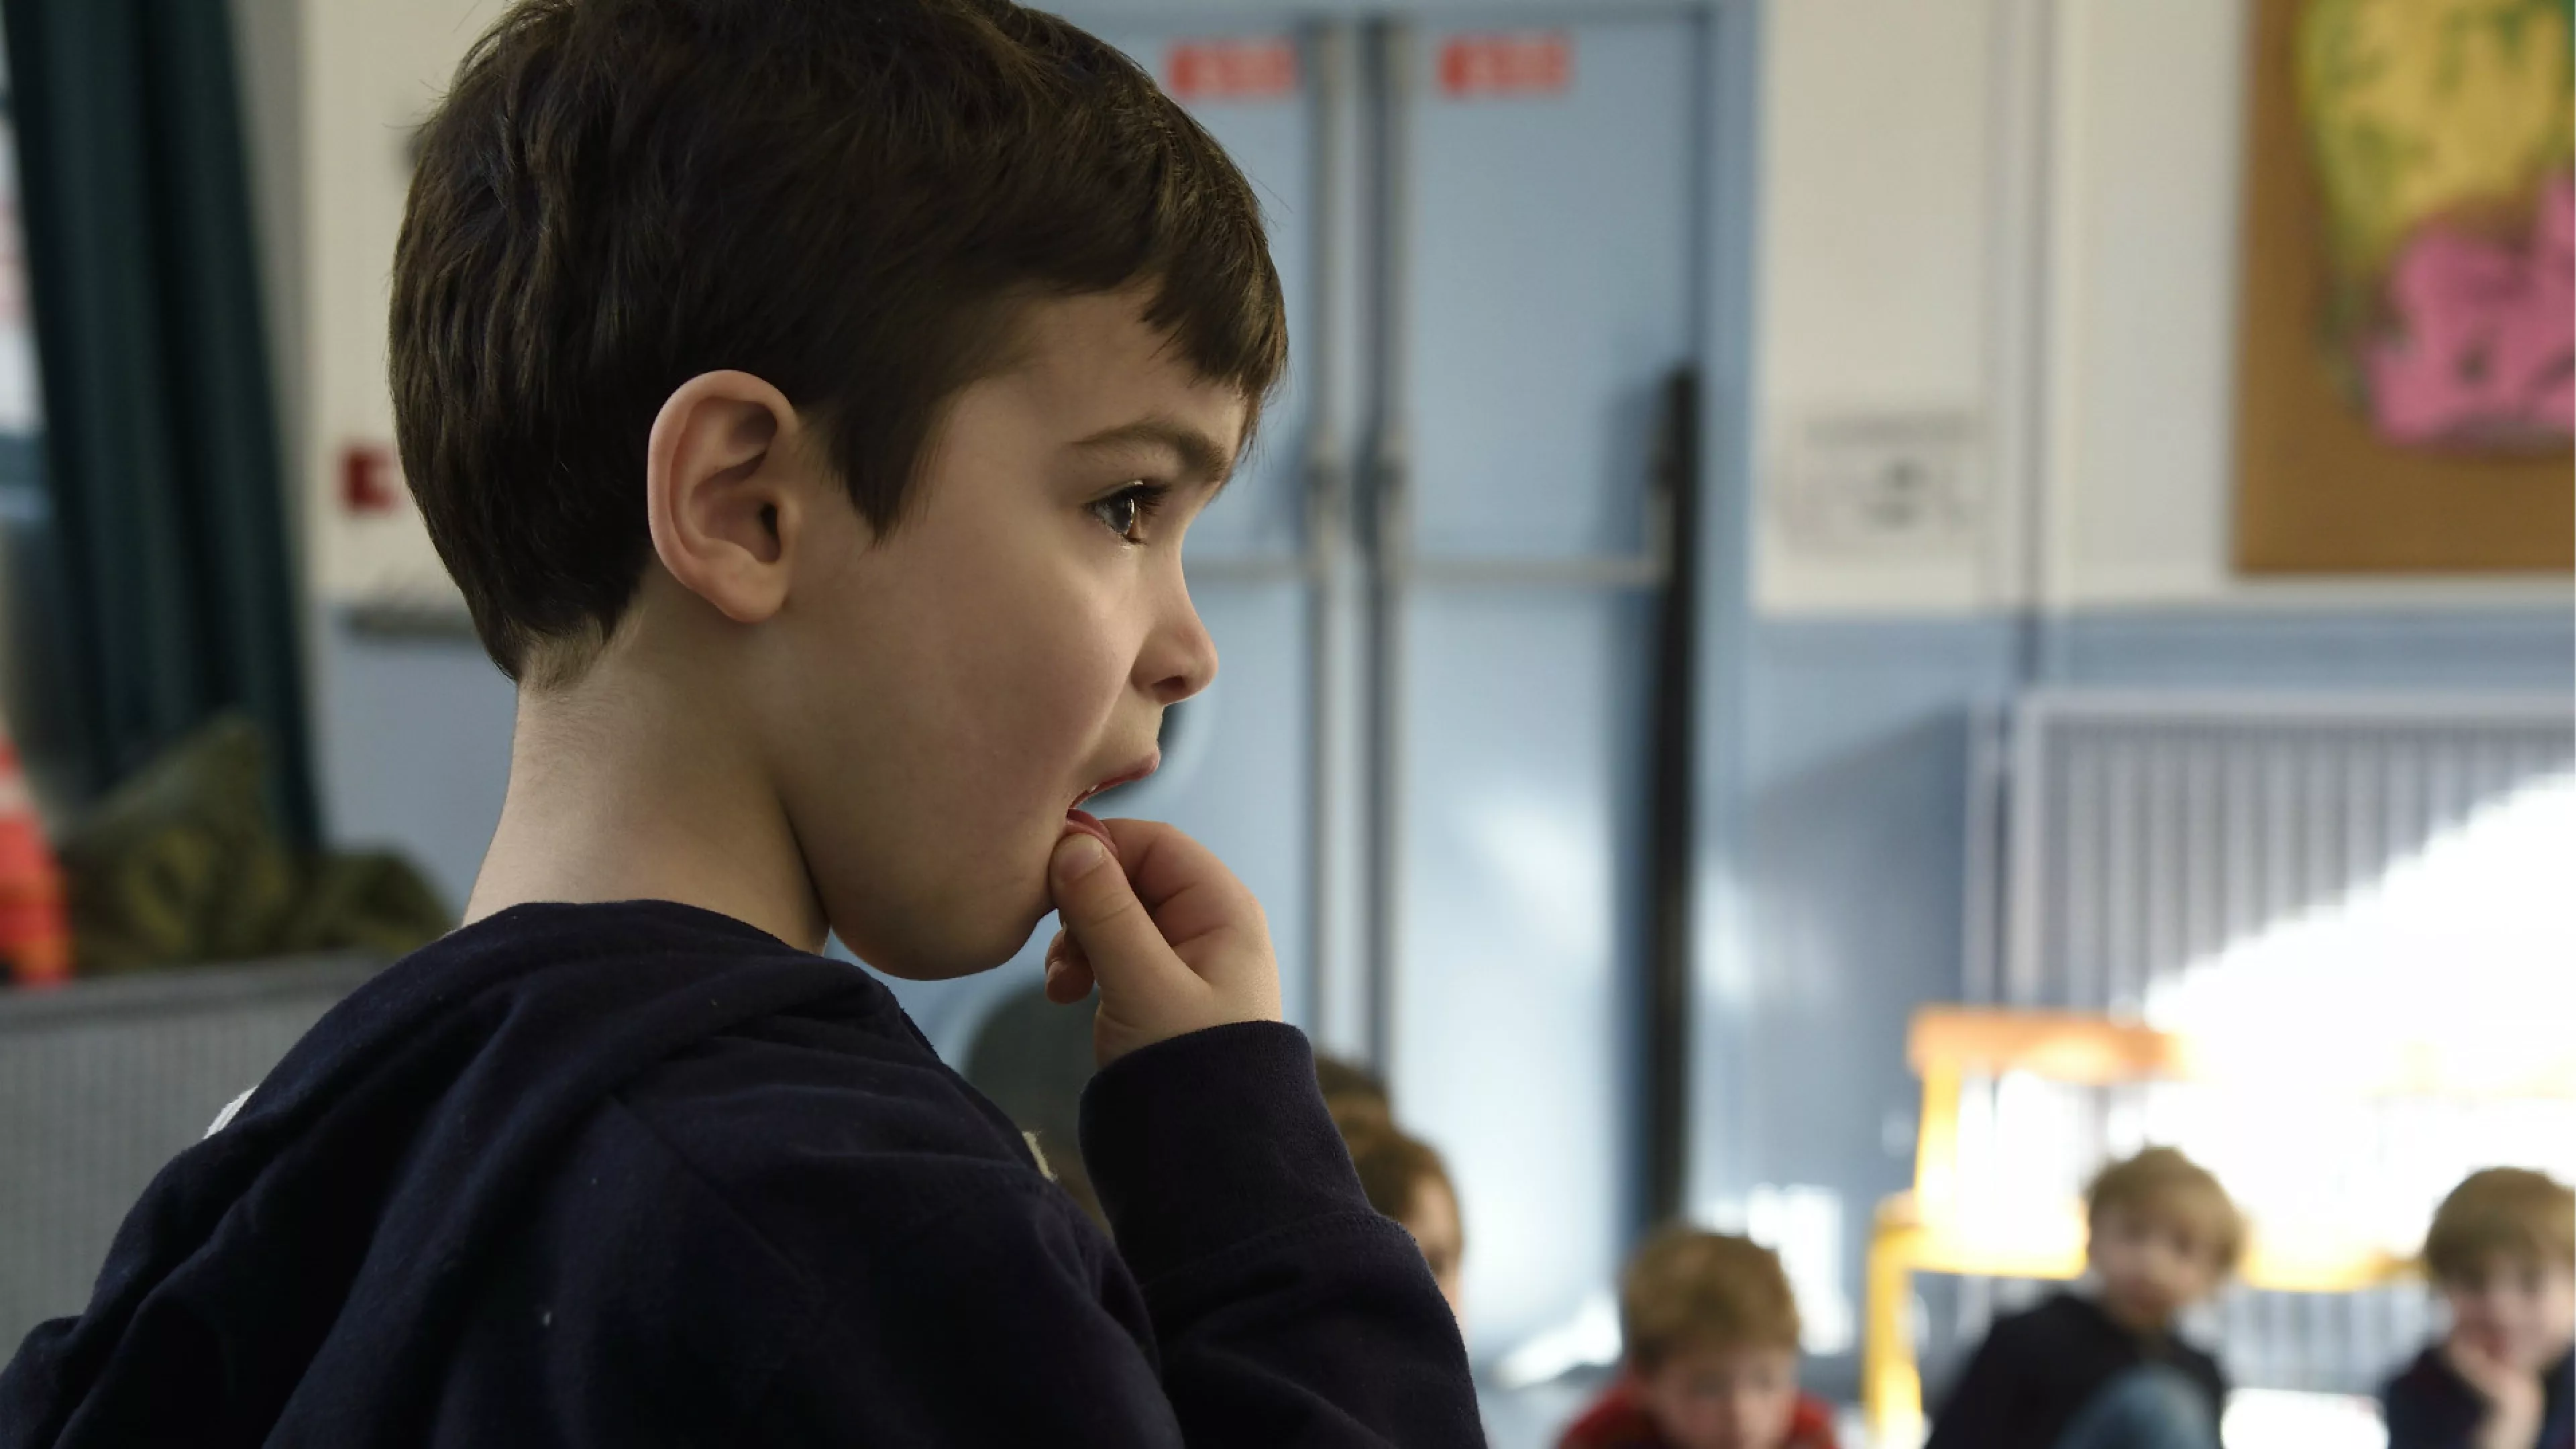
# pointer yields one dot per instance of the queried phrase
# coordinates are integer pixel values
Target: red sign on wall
(370, 480)
(1258, 69)
(1514, 63)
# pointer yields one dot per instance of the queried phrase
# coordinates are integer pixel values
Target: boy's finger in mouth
(1084, 822)
(1077, 818)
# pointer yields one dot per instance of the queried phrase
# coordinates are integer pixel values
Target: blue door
(1540, 220)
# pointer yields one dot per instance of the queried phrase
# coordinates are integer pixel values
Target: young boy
(1711, 1354)
(2503, 1251)
(2104, 1369)
(809, 398)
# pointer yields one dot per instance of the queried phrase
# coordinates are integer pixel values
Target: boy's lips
(1077, 818)
(1130, 776)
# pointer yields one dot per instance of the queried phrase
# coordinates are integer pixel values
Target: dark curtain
(161, 445)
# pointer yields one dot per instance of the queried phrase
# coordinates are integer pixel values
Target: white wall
(2024, 212)
(411, 734)
(369, 71)
(1872, 243)
(2141, 340)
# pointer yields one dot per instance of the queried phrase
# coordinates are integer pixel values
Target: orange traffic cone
(35, 939)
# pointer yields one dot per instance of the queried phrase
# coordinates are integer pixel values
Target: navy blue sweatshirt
(2037, 1368)
(2429, 1406)
(639, 1174)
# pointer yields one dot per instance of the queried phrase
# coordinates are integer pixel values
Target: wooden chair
(1933, 1230)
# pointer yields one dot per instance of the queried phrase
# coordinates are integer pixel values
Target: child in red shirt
(1711, 1333)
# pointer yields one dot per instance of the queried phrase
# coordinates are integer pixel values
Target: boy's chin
(945, 960)
(947, 955)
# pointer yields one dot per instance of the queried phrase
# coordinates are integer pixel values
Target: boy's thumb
(1100, 908)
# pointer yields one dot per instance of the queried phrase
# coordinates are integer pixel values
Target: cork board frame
(2318, 491)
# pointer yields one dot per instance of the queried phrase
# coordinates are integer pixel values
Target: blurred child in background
(1341, 1081)
(2102, 1367)
(2503, 1252)
(1710, 1329)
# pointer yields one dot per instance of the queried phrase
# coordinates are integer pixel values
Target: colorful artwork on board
(2442, 133)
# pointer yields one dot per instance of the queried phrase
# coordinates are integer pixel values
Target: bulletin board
(2408, 304)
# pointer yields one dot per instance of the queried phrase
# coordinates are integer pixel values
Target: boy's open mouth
(1083, 820)
(1143, 768)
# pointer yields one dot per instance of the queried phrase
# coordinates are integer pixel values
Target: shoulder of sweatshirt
(825, 1129)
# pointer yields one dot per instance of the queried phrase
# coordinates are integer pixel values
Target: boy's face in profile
(939, 697)
(2514, 1311)
(2153, 1264)
(1722, 1396)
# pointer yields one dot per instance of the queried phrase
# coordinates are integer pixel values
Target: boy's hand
(1174, 941)
(2514, 1398)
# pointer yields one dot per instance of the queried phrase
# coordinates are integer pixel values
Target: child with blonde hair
(2105, 1368)
(2502, 1249)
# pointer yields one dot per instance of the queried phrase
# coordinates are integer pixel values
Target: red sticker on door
(1513, 63)
(1263, 69)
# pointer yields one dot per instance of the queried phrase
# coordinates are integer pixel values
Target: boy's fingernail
(1078, 855)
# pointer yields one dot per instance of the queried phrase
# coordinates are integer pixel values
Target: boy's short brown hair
(2162, 1183)
(1689, 1289)
(852, 199)
(2501, 1211)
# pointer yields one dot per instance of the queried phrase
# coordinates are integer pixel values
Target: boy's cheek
(2523, 1339)
(936, 819)
(2548, 1323)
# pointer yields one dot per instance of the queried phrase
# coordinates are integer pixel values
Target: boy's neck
(621, 790)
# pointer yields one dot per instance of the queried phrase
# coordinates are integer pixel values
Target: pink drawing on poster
(2485, 342)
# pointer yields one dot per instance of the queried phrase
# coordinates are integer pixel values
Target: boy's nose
(1180, 660)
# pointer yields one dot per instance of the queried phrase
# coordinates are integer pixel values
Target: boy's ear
(720, 491)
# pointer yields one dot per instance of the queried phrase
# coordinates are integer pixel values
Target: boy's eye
(1127, 511)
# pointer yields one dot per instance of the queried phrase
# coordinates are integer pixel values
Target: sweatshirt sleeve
(1284, 1308)
(2424, 1413)
(1978, 1412)
(1002, 1320)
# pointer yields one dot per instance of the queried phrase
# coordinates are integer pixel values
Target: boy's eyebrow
(1202, 457)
